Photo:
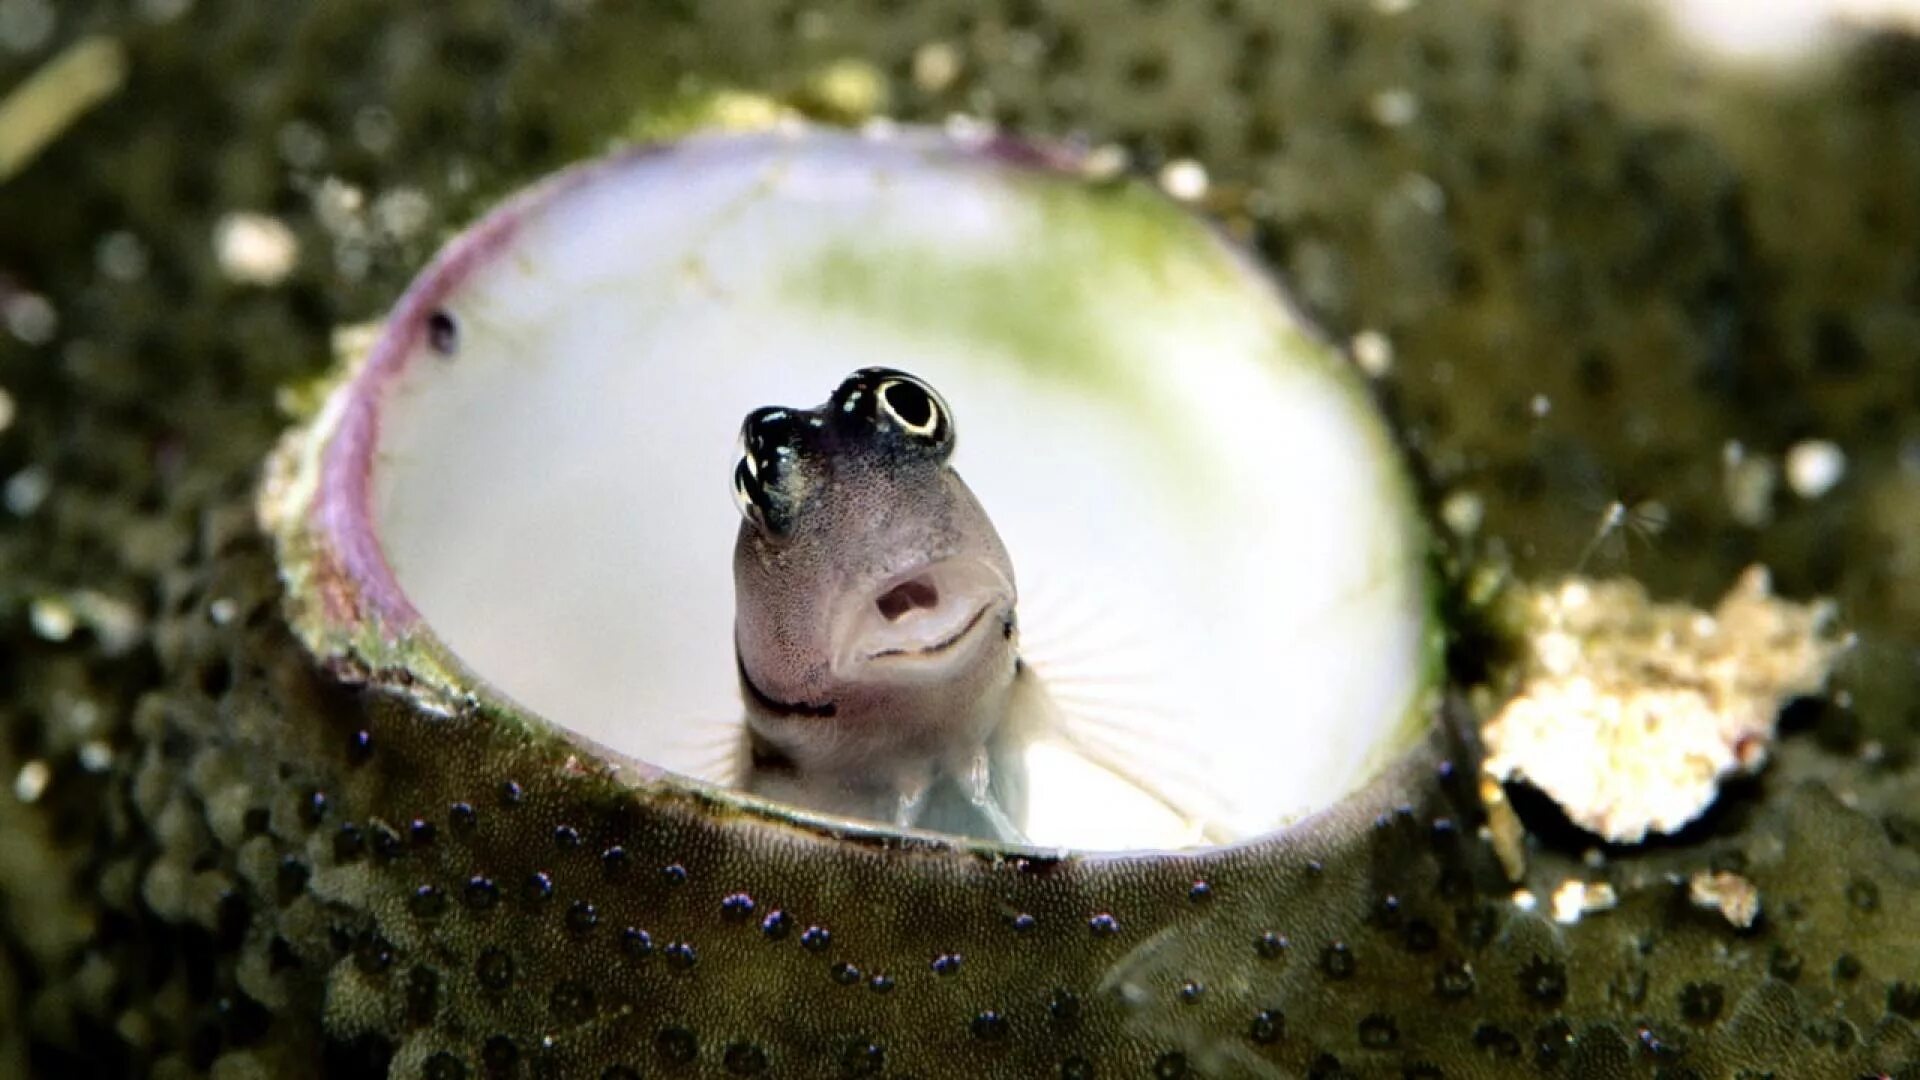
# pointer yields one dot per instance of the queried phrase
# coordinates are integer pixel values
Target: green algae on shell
(520, 496)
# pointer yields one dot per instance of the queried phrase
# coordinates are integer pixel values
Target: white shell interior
(1220, 573)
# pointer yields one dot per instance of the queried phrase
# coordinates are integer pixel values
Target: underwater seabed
(1639, 317)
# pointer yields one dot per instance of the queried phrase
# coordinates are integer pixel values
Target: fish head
(872, 591)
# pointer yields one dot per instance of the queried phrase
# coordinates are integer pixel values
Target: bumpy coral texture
(214, 860)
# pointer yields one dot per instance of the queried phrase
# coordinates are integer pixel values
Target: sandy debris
(1629, 713)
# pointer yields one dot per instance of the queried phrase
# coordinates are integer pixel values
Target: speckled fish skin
(874, 615)
(276, 875)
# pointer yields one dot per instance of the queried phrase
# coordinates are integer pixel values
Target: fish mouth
(924, 617)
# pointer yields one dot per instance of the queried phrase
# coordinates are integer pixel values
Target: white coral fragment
(1629, 713)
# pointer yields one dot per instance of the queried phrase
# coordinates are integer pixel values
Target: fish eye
(914, 406)
(747, 492)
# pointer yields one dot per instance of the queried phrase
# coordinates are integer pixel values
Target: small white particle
(31, 782)
(52, 618)
(1463, 512)
(374, 129)
(1574, 899)
(255, 249)
(1814, 466)
(1104, 162)
(1373, 351)
(222, 611)
(96, 756)
(25, 25)
(121, 256)
(302, 145)
(7, 410)
(935, 66)
(1525, 900)
(1184, 179)
(30, 317)
(1393, 7)
(26, 490)
(1540, 406)
(1395, 108)
(402, 213)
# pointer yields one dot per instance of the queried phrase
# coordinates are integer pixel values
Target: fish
(877, 635)
(875, 621)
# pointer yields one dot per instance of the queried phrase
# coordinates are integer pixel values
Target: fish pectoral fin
(979, 790)
(910, 802)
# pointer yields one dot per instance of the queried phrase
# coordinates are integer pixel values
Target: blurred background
(1640, 283)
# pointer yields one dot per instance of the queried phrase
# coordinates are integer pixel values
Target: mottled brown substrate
(1674, 257)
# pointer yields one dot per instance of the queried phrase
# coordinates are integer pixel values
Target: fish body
(875, 623)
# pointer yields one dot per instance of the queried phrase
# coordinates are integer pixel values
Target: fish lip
(940, 646)
(962, 574)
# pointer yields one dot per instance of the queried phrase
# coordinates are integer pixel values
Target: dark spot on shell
(256, 820)
(463, 817)
(566, 837)
(1270, 946)
(815, 939)
(681, 955)
(348, 844)
(736, 907)
(676, 1046)
(1171, 1065)
(1863, 894)
(673, 874)
(862, 1058)
(990, 1027)
(1269, 1026)
(511, 793)
(423, 994)
(946, 964)
(442, 1065)
(844, 973)
(313, 809)
(1847, 967)
(1337, 960)
(374, 954)
(1654, 1045)
(620, 1072)
(494, 969)
(1543, 980)
(582, 916)
(386, 843)
(360, 747)
(571, 1001)
(1903, 999)
(1552, 1043)
(1200, 892)
(499, 1056)
(615, 864)
(443, 334)
(1496, 1041)
(744, 1059)
(1103, 925)
(636, 942)
(290, 878)
(421, 832)
(1701, 1003)
(1023, 923)
(1077, 1068)
(776, 925)
(428, 902)
(1420, 936)
(481, 893)
(1784, 964)
(880, 983)
(538, 888)
(1064, 1007)
(1379, 1032)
